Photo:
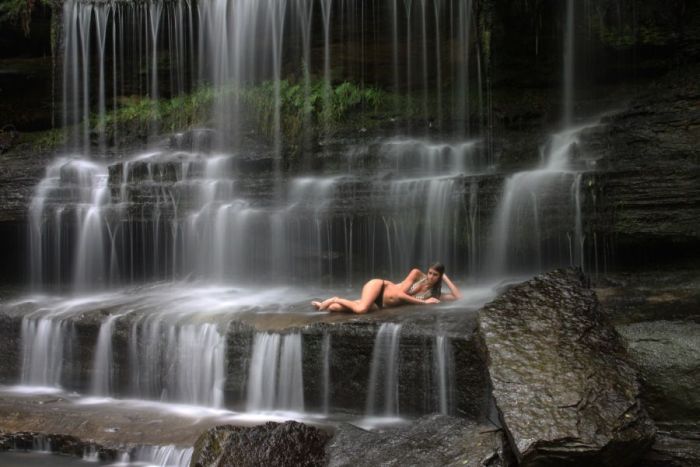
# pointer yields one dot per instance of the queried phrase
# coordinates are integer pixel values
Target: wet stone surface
(431, 440)
(289, 443)
(112, 426)
(561, 377)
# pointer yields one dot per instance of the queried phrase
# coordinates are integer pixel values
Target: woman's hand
(455, 293)
(432, 300)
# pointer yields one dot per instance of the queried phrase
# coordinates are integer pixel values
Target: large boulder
(431, 440)
(560, 375)
(273, 444)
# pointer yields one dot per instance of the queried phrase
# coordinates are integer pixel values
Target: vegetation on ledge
(305, 110)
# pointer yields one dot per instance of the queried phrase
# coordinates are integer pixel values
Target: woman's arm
(454, 294)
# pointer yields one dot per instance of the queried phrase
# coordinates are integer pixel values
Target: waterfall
(41, 443)
(44, 341)
(166, 456)
(326, 372)
(275, 379)
(178, 362)
(383, 385)
(568, 72)
(163, 215)
(534, 206)
(102, 366)
(443, 365)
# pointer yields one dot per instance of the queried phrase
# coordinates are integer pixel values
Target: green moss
(304, 110)
(19, 12)
(44, 141)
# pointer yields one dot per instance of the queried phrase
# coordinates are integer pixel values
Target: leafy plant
(19, 11)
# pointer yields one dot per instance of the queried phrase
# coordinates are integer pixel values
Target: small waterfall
(43, 346)
(41, 443)
(275, 378)
(102, 364)
(443, 365)
(383, 385)
(165, 456)
(177, 362)
(326, 376)
(535, 207)
(90, 454)
(568, 72)
(170, 215)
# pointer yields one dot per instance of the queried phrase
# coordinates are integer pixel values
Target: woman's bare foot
(321, 306)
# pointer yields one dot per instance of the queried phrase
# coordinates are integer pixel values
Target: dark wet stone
(289, 443)
(674, 449)
(668, 356)
(431, 440)
(560, 375)
(55, 443)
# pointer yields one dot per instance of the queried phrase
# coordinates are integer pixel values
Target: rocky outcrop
(561, 380)
(431, 440)
(646, 186)
(656, 312)
(289, 443)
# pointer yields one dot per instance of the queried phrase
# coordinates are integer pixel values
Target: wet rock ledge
(563, 388)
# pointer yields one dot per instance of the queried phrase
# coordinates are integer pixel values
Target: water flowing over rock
(289, 443)
(561, 378)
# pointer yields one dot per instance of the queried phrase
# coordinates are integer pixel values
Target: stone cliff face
(647, 178)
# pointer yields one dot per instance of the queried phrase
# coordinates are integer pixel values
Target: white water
(44, 342)
(534, 207)
(175, 346)
(275, 380)
(178, 214)
(444, 373)
(102, 371)
(383, 386)
(165, 456)
(180, 362)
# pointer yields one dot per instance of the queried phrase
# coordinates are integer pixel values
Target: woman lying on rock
(417, 288)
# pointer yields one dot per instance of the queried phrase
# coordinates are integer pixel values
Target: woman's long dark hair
(436, 290)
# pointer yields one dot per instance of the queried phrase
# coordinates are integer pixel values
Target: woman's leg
(370, 292)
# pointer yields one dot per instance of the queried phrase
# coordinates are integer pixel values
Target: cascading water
(538, 223)
(527, 233)
(444, 374)
(177, 362)
(275, 380)
(168, 215)
(45, 343)
(207, 204)
(383, 386)
(102, 372)
(166, 456)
